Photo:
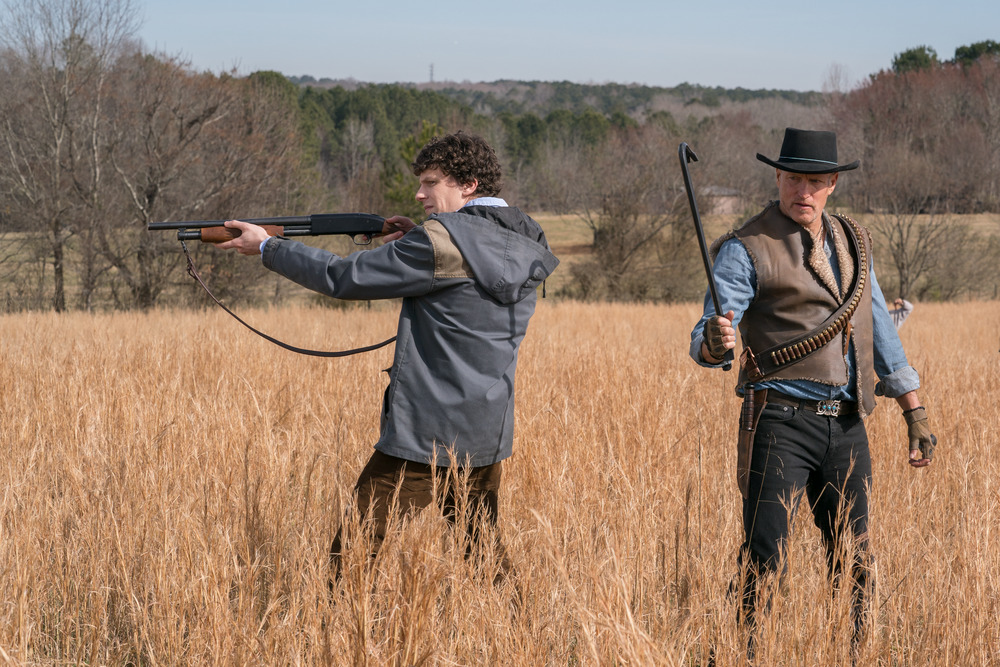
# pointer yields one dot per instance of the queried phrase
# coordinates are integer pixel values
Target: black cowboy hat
(809, 152)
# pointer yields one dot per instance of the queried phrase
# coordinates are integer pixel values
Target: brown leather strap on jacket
(761, 365)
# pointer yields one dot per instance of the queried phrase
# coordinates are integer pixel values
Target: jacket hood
(506, 249)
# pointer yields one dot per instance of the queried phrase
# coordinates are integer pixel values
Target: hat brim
(808, 166)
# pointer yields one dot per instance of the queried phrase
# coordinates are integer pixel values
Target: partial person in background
(901, 309)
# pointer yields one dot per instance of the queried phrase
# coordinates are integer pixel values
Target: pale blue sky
(729, 43)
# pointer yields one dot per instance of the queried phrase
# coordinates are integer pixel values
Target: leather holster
(753, 405)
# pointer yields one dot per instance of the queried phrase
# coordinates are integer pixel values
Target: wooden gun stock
(222, 234)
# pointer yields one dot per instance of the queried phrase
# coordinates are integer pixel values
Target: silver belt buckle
(828, 408)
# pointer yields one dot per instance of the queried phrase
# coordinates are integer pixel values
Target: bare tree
(57, 54)
(554, 182)
(837, 80)
(927, 140)
(98, 139)
(907, 219)
(726, 147)
(946, 116)
(983, 79)
(965, 265)
(360, 170)
(635, 207)
(186, 146)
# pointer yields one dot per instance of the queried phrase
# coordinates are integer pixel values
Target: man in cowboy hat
(798, 283)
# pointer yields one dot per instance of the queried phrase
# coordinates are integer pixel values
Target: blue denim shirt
(486, 201)
(736, 285)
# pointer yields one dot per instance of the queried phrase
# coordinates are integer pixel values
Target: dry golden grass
(170, 484)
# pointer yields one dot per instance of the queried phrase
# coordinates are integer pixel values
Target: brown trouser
(389, 484)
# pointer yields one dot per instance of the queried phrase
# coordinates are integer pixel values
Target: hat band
(806, 159)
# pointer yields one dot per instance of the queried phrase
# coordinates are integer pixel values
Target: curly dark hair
(466, 158)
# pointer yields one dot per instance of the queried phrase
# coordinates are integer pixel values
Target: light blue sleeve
(896, 376)
(736, 287)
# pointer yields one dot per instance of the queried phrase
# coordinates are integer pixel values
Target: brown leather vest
(797, 292)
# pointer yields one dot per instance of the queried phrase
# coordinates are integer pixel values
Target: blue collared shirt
(736, 285)
(486, 201)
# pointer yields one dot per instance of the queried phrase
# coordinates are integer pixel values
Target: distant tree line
(101, 137)
(543, 97)
(925, 57)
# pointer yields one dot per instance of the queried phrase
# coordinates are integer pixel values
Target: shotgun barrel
(355, 225)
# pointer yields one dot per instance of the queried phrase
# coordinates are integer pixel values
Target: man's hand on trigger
(395, 227)
(719, 336)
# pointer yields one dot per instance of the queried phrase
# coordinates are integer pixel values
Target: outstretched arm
(252, 236)
(249, 240)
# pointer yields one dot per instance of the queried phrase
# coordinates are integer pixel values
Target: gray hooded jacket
(468, 282)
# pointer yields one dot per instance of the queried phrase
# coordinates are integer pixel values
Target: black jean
(797, 451)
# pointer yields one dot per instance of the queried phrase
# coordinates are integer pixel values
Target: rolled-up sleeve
(896, 376)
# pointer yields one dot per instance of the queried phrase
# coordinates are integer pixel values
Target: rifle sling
(759, 366)
(193, 272)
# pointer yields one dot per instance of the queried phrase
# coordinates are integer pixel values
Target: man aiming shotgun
(467, 277)
(799, 284)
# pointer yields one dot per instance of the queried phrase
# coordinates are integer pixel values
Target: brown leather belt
(830, 408)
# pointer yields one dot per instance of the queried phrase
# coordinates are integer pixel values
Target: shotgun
(360, 226)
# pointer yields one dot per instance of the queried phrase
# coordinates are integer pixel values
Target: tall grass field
(170, 485)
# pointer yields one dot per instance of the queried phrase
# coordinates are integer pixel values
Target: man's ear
(469, 189)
